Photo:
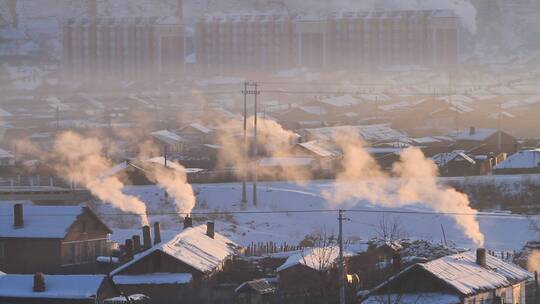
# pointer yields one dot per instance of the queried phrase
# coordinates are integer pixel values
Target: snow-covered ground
(503, 232)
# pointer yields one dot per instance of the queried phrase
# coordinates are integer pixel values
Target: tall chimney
(39, 282)
(188, 222)
(210, 229)
(18, 221)
(481, 257)
(472, 130)
(136, 243)
(157, 233)
(128, 249)
(147, 239)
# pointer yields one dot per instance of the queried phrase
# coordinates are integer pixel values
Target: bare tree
(390, 229)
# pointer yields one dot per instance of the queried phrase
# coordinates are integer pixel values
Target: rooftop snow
(341, 101)
(419, 298)
(461, 271)
(57, 286)
(285, 161)
(521, 160)
(262, 286)
(153, 278)
(442, 159)
(5, 154)
(317, 258)
(39, 221)
(318, 148)
(479, 134)
(201, 128)
(167, 137)
(193, 247)
(370, 133)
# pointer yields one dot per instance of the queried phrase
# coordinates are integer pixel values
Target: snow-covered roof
(262, 286)
(442, 159)
(134, 298)
(5, 154)
(317, 258)
(199, 127)
(4, 113)
(370, 133)
(461, 271)
(168, 137)
(285, 161)
(172, 165)
(479, 134)
(193, 247)
(340, 101)
(315, 110)
(521, 160)
(153, 279)
(318, 148)
(56, 286)
(39, 221)
(414, 298)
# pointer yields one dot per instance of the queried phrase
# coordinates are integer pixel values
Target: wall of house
(162, 293)
(30, 255)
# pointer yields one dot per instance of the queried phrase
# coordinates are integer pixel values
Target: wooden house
(462, 278)
(485, 141)
(55, 289)
(455, 163)
(51, 239)
(522, 162)
(179, 270)
(169, 142)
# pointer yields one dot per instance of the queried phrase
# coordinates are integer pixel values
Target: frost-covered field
(503, 232)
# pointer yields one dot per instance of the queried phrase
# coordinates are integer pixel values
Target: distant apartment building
(352, 40)
(125, 48)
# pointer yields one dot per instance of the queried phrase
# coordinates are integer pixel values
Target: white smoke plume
(173, 179)
(80, 160)
(414, 181)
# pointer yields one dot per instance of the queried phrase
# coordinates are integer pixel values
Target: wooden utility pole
(255, 150)
(245, 154)
(254, 92)
(341, 260)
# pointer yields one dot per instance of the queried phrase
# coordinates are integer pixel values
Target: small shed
(256, 292)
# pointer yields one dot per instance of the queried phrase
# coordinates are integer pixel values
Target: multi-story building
(345, 40)
(123, 48)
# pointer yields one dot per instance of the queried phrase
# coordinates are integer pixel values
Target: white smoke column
(174, 180)
(80, 160)
(418, 178)
(415, 182)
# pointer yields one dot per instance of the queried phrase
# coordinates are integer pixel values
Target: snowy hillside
(503, 232)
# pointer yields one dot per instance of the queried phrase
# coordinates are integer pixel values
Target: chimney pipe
(18, 221)
(397, 261)
(188, 222)
(472, 130)
(39, 282)
(481, 258)
(210, 229)
(157, 233)
(128, 249)
(147, 239)
(136, 243)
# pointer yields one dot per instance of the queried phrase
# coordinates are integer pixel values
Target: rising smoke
(414, 181)
(81, 160)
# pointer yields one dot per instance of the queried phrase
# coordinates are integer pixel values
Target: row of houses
(200, 265)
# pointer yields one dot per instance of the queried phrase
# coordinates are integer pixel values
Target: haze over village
(268, 152)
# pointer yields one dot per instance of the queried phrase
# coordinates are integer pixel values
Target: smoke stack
(188, 222)
(481, 258)
(157, 233)
(18, 221)
(472, 130)
(397, 262)
(210, 229)
(39, 282)
(136, 243)
(147, 239)
(128, 249)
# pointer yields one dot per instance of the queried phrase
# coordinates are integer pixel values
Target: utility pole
(499, 135)
(255, 150)
(341, 261)
(244, 169)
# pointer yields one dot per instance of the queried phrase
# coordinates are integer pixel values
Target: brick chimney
(210, 229)
(136, 243)
(39, 282)
(157, 233)
(481, 258)
(188, 222)
(18, 220)
(128, 249)
(472, 130)
(147, 239)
